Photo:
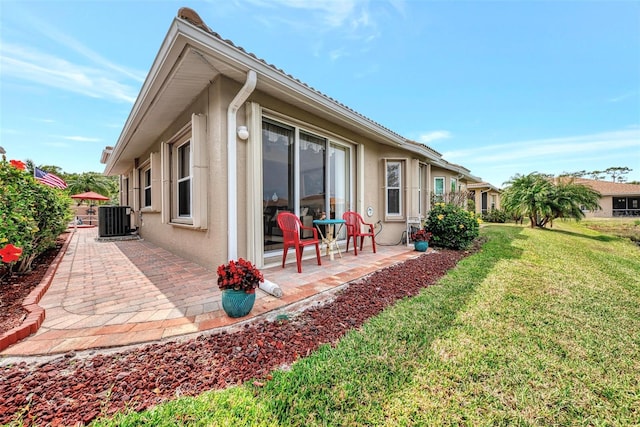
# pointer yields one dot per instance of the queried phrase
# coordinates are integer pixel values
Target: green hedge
(452, 226)
(32, 215)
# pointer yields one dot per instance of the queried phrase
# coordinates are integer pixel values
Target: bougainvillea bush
(32, 215)
(451, 226)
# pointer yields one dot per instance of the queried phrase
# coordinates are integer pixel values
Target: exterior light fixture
(243, 133)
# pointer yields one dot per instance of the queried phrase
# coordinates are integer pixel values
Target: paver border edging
(36, 314)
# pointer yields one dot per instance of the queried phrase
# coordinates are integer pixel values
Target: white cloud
(81, 139)
(65, 40)
(353, 20)
(623, 96)
(429, 137)
(337, 54)
(24, 63)
(544, 148)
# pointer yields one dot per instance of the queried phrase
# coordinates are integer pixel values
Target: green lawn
(623, 227)
(542, 327)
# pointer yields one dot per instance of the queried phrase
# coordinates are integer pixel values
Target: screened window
(146, 184)
(438, 188)
(184, 179)
(421, 177)
(394, 186)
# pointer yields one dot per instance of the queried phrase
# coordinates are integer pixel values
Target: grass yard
(542, 327)
(623, 227)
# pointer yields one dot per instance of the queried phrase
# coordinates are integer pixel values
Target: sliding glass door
(304, 173)
(277, 179)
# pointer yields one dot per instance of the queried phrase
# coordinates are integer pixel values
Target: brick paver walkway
(110, 294)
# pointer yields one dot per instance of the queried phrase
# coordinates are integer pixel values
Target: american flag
(49, 179)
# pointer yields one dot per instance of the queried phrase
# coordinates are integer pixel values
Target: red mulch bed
(72, 390)
(15, 288)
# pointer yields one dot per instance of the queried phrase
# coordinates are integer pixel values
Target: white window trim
(422, 169)
(400, 215)
(194, 132)
(155, 161)
(435, 186)
(175, 217)
(146, 167)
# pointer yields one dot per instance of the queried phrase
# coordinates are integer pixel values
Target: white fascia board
(181, 34)
(146, 95)
(278, 81)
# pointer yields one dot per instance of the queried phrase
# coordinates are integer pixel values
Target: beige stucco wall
(606, 211)
(208, 246)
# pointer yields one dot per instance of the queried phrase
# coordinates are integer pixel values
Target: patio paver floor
(120, 293)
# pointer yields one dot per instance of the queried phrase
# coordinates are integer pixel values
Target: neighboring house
(618, 199)
(219, 142)
(485, 196)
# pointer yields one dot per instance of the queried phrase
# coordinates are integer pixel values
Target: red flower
(10, 253)
(239, 275)
(18, 164)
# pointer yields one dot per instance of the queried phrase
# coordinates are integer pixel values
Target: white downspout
(232, 164)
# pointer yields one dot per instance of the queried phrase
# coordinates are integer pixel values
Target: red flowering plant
(10, 253)
(240, 275)
(421, 235)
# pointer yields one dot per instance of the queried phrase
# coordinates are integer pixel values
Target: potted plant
(238, 281)
(421, 240)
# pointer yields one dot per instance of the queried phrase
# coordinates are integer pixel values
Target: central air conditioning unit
(114, 221)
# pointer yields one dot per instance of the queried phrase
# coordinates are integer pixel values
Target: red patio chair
(290, 225)
(355, 223)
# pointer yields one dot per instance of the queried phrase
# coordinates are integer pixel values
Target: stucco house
(219, 142)
(485, 196)
(618, 199)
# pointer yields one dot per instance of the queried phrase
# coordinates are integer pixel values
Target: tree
(92, 181)
(525, 195)
(543, 199)
(569, 200)
(617, 173)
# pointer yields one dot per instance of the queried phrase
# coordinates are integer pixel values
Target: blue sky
(499, 87)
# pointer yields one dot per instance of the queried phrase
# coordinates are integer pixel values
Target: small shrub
(451, 226)
(495, 215)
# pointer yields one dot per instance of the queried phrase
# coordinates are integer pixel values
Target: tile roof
(190, 16)
(608, 188)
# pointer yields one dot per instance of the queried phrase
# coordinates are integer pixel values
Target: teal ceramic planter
(421, 246)
(237, 303)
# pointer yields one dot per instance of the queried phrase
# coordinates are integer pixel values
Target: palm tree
(539, 198)
(569, 200)
(526, 195)
(92, 181)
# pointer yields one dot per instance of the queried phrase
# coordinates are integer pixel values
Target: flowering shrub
(451, 226)
(239, 275)
(421, 235)
(32, 215)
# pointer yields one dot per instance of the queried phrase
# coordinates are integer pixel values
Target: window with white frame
(125, 191)
(145, 178)
(183, 181)
(454, 185)
(393, 185)
(421, 179)
(438, 188)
